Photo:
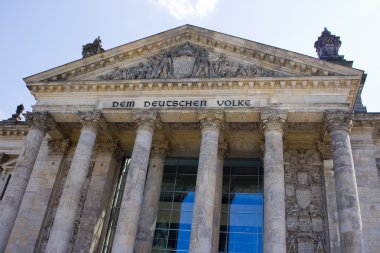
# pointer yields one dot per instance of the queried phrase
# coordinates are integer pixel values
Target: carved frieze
(186, 61)
(304, 209)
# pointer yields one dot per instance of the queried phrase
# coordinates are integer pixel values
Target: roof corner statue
(327, 46)
(93, 48)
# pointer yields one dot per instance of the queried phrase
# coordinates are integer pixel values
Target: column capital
(93, 119)
(222, 149)
(325, 149)
(273, 120)
(40, 120)
(160, 147)
(211, 119)
(147, 119)
(339, 120)
(58, 146)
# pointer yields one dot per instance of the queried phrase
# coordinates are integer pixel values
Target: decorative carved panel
(187, 61)
(305, 219)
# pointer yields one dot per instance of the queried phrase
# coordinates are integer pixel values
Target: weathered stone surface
(64, 222)
(35, 202)
(39, 124)
(127, 225)
(274, 239)
(367, 178)
(222, 150)
(149, 209)
(91, 223)
(339, 123)
(204, 203)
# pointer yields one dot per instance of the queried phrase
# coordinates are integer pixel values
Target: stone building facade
(193, 141)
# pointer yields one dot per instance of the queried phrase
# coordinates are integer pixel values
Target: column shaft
(274, 184)
(126, 230)
(149, 209)
(63, 225)
(40, 123)
(203, 211)
(350, 223)
(218, 197)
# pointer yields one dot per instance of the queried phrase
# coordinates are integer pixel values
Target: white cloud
(182, 9)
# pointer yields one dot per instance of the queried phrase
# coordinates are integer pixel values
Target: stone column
(149, 209)
(273, 123)
(333, 241)
(218, 196)
(63, 225)
(338, 124)
(127, 224)
(203, 211)
(40, 123)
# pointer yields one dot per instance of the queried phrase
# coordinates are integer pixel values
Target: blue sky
(39, 35)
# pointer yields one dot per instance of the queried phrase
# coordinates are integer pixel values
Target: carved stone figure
(327, 46)
(185, 61)
(93, 48)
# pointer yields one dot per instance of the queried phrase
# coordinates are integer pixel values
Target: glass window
(242, 207)
(175, 213)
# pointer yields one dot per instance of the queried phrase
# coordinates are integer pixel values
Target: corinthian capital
(147, 119)
(93, 119)
(273, 120)
(160, 147)
(211, 119)
(40, 120)
(339, 120)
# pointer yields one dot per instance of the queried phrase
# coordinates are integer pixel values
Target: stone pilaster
(338, 124)
(273, 123)
(126, 230)
(152, 191)
(70, 201)
(40, 123)
(222, 150)
(203, 212)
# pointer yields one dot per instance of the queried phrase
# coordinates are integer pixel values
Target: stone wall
(363, 150)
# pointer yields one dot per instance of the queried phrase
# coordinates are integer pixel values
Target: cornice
(245, 49)
(305, 82)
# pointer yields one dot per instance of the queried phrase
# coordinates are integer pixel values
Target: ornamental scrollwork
(305, 219)
(339, 120)
(147, 119)
(211, 119)
(186, 61)
(273, 120)
(92, 118)
(40, 120)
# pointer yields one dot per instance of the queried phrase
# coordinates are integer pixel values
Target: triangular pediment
(192, 52)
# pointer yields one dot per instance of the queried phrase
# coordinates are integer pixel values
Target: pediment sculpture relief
(186, 61)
